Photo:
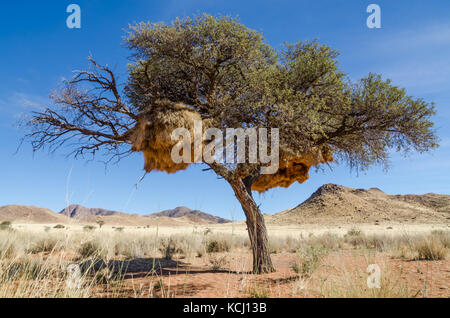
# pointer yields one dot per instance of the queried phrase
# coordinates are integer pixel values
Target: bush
(310, 260)
(354, 232)
(218, 263)
(90, 249)
(216, 246)
(257, 292)
(431, 249)
(46, 245)
(88, 228)
(5, 225)
(59, 226)
(168, 248)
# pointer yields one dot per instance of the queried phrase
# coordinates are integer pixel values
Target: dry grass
(36, 264)
(352, 283)
(430, 249)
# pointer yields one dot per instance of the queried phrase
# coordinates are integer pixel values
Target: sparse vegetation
(45, 245)
(354, 232)
(309, 260)
(258, 292)
(37, 264)
(430, 249)
(5, 225)
(88, 228)
(218, 262)
(217, 246)
(168, 248)
(90, 249)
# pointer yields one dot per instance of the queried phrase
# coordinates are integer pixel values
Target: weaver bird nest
(152, 136)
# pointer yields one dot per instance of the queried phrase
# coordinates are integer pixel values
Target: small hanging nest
(291, 169)
(152, 133)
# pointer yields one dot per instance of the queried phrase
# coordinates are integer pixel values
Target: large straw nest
(152, 135)
(292, 168)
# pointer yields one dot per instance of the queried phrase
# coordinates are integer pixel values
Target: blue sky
(38, 50)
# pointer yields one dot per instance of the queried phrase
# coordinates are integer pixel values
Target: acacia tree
(229, 75)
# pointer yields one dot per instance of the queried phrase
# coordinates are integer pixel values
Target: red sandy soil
(197, 280)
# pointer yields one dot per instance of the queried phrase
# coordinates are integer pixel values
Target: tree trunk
(255, 225)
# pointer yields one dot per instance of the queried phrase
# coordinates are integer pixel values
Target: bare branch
(88, 113)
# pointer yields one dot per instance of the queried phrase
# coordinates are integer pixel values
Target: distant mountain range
(82, 213)
(329, 204)
(77, 213)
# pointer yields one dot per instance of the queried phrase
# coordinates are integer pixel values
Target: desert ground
(73, 260)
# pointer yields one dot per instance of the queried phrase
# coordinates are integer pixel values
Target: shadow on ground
(141, 267)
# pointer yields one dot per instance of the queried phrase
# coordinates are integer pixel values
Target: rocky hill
(30, 214)
(80, 212)
(194, 215)
(335, 204)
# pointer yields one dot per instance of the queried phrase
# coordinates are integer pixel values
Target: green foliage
(5, 226)
(229, 74)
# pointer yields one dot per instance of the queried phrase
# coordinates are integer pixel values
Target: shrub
(354, 232)
(258, 292)
(45, 245)
(310, 260)
(329, 241)
(431, 249)
(90, 249)
(88, 228)
(5, 225)
(59, 226)
(168, 248)
(216, 246)
(218, 263)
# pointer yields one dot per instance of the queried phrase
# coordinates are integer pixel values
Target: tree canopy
(227, 72)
